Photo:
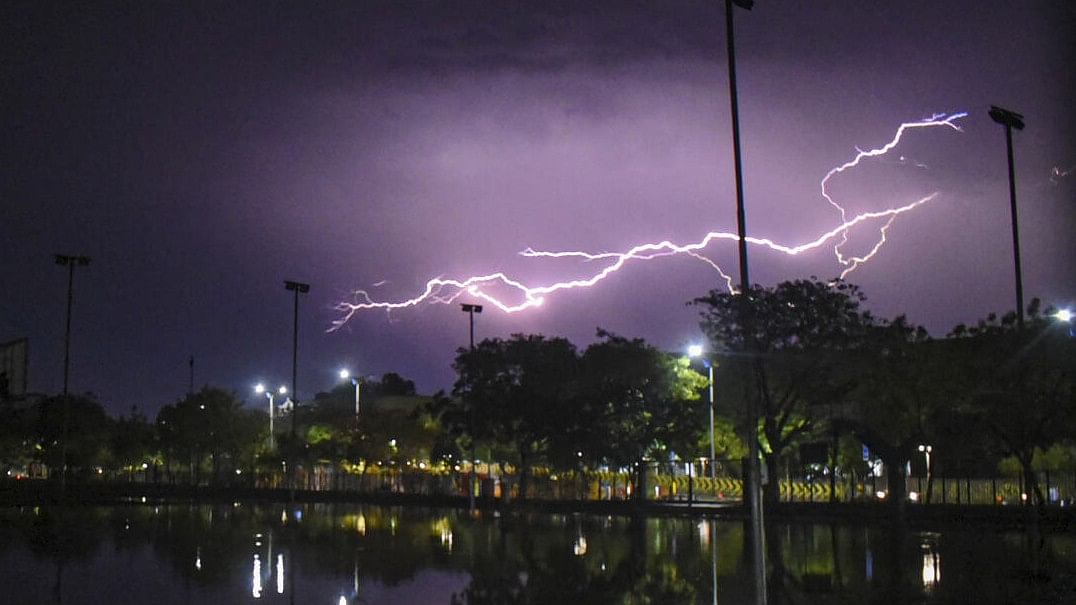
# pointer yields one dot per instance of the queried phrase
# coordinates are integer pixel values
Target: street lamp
(471, 309)
(69, 261)
(1064, 315)
(926, 449)
(283, 390)
(298, 288)
(696, 351)
(345, 374)
(1011, 119)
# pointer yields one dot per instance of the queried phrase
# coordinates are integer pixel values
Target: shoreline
(918, 516)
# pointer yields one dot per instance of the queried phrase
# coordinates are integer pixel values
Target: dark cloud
(201, 153)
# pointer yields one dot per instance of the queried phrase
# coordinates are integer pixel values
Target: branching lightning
(440, 290)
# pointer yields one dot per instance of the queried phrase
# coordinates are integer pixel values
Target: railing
(666, 481)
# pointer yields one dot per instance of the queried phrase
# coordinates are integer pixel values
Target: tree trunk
(771, 491)
(524, 472)
(896, 480)
(1031, 482)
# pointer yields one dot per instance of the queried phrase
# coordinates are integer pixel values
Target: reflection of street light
(260, 389)
(696, 351)
(355, 381)
(1011, 119)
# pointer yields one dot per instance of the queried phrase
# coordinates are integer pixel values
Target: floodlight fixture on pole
(69, 261)
(260, 389)
(471, 309)
(1010, 120)
(298, 288)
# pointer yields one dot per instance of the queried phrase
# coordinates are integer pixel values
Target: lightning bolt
(440, 290)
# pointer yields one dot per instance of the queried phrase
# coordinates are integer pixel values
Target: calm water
(334, 554)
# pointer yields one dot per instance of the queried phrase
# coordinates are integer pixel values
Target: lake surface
(333, 554)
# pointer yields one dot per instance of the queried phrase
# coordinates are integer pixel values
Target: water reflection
(256, 579)
(202, 553)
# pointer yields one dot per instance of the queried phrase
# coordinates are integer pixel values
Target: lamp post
(1011, 119)
(753, 492)
(70, 262)
(298, 288)
(471, 309)
(356, 381)
(283, 390)
(696, 351)
(926, 449)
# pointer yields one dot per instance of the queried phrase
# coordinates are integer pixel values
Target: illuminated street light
(1011, 119)
(696, 351)
(260, 389)
(1064, 315)
(926, 449)
(356, 381)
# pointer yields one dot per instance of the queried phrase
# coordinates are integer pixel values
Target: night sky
(203, 153)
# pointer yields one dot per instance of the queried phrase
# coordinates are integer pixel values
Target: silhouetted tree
(134, 442)
(516, 392)
(782, 347)
(1019, 385)
(88, 435)
(637, 402)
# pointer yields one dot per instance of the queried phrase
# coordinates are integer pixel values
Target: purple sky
(202, 155)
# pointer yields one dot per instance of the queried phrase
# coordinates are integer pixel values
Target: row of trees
(801, 363)
(821, 368)
(208, 436)
(531, 399)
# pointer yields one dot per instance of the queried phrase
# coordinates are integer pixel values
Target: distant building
(14, 361)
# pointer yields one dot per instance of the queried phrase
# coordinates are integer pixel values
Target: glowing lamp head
(694, 351)
(1064, 315)
(259, 388)
(282, 390)
(345, 374)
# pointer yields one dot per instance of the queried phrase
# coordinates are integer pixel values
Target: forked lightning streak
(514, 296)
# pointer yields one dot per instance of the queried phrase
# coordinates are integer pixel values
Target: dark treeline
(825, 376)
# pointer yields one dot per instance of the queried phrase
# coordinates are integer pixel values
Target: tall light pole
(298, 288)
(754, 494)
(696, 351)
(356, 381)
(1010, 120)
(283, 390)
(471, 309)
(70, 262)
